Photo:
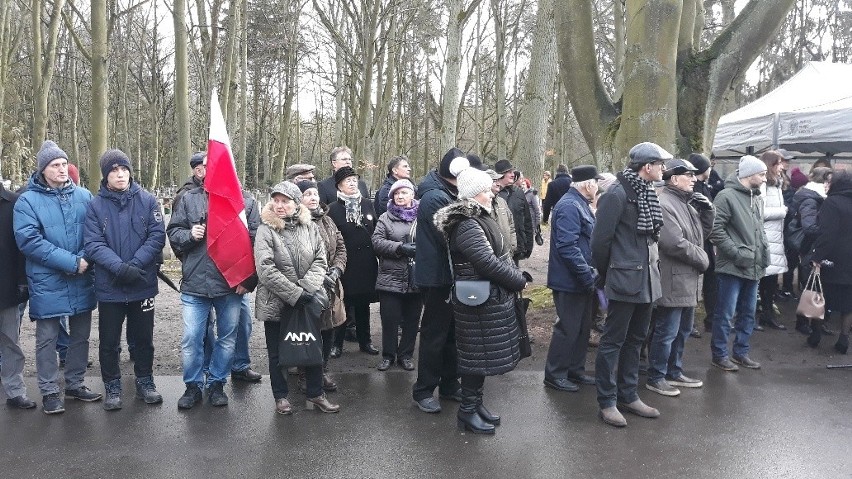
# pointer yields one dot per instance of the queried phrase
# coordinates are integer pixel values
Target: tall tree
(181, 81)
(43, 58)
(538, 97)
(673, 91)
(459, 14)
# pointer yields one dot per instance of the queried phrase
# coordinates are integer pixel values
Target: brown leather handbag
(812, 299)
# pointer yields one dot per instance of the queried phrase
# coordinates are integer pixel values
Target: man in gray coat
(742, 254)
(624, 250)
(687, 219)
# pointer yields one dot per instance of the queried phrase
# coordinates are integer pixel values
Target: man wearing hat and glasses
(572, 279)
(687, 220)
(624, 249)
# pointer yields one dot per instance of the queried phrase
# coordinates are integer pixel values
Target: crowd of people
(441, 257)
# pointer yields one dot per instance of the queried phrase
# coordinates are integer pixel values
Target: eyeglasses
(343, 159)
(689, 174)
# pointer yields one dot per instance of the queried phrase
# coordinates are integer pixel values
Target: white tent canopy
(810, 113)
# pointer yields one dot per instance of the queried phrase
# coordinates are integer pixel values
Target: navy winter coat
(49, 231)
(124, 227)
(433, 268)
(570, 266)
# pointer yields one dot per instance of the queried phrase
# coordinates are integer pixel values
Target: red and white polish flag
(228, 241)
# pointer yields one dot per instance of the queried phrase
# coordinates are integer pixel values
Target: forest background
(539, 82)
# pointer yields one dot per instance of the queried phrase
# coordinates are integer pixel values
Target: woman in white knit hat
(487, 332)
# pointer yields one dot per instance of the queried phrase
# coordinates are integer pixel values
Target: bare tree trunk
(500, 76)
(538, 97)
(100, 91)
(184, 145)
(450, 104)
(43, 60)
(241, 139)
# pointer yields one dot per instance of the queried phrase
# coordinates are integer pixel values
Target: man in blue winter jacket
(48, 221)
(124, 237)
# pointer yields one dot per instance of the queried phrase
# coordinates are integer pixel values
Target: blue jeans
(196, 310)
(242, 358)
(736, 296)
(665, 354)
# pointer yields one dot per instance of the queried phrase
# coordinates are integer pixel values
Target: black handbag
(471, 293)
(300, 343)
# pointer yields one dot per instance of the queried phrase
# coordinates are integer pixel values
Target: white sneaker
(685, 382)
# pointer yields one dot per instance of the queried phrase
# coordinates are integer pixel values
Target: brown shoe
(322, 403)
(612, 416)
(282, 406)
(328, 384)
(639, 408)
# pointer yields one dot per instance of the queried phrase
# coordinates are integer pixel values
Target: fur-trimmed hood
(449, 216)
(269, 218)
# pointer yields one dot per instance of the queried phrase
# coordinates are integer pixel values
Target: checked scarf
(353, 206)
(650, 213)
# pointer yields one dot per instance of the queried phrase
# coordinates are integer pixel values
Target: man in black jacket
(339, 157)
(624, 250)
(203, 288)
(558, 187)
(519, 207)
(437, 359)
(13, 291)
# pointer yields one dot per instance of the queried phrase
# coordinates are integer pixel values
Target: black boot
(816, 333)
(468, 418)
(803, 325)
(483, 412)
(842, 344)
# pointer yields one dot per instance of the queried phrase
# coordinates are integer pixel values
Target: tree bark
(100, 91)
(672, 94)
(458, 17)
(184, 145)
(43, 60)
(538, 97)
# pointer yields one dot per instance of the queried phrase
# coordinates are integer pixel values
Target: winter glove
(527, 276)
(407, 249)
(331, 277)
(129, 274)
(305, 298)
(701, 202)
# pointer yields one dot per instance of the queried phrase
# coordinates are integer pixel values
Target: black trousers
(766, 288)
(566, 357)
(437, 361)
(360, 304)
(313, 374)
(140, 326)
(397, 310)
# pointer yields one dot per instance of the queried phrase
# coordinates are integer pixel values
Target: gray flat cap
(647, 152)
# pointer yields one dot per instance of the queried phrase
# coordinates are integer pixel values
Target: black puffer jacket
(486, 335)
(432, 269)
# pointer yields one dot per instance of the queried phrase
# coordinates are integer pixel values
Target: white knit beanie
(469, 181)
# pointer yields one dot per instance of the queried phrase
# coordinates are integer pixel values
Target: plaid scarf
(650, 213)
(353, 206)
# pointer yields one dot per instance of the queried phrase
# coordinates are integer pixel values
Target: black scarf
(650, 213)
